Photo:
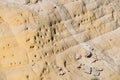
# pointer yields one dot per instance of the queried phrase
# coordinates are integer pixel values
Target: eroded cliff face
(59, 39)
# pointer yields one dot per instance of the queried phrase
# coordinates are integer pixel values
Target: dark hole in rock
(41, 36)
(57, 50)
(43, 26)
(19, 62)
(35, 37)
(40, 57)
(12, 54)
(81, 20)
(92, 49)
(39, 42)
(54, 30)
(45, 53)
(63, 48)
(45, 34)
(26, 28)
(27, 40)
(52, 38)
(46, 29)
(48, 40)
(59, 21)
(3, 56)
(8, 44)
(31, 46)
(46, 63)
(37, 34)
(89, 55)
(39, 29)
(65, 63)
(50, 24)
(38, 47)
(27, 76)
(42, 46)
(74, 15)
(35, 56)
(21, 14)
(83, 12)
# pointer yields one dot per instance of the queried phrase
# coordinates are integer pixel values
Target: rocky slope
(59, 40)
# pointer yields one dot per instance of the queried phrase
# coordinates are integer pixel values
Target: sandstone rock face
(59, 39)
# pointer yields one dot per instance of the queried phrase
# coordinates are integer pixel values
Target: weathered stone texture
(59, 39)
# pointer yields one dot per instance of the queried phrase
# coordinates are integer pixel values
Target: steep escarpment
(59, 40)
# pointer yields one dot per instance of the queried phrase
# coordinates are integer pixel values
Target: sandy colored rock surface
(59, 39)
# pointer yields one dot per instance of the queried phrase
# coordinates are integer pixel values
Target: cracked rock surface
(59, 39)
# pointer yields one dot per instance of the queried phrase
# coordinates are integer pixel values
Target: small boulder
(88, 69)
(95, 72)
(78, 56)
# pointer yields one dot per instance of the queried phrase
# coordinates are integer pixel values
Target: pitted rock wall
(59, 39)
